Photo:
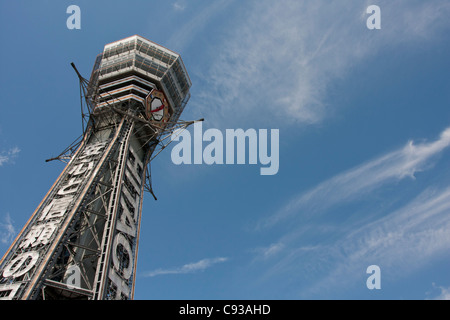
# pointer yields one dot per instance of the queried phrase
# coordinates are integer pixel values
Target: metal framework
(82, 240)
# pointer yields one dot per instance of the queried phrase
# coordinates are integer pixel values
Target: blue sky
(364, 124)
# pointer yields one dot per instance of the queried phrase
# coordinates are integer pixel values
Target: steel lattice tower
(82, 240)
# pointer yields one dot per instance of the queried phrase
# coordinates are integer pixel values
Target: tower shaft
(82, 240)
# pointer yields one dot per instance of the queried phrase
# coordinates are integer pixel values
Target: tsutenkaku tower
(81, 242)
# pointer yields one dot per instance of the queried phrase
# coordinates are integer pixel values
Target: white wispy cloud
(179, 5)
(444, 295)
(188, 268)
(361, 180)
(270, 251)
(183, 36)
(402, 242)
(9, 156)
(7, 230)
(334, 255)
(280, 57)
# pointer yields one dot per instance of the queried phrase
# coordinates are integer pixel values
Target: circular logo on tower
(156, 106)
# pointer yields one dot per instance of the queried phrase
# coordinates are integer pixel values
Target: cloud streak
(9, 156)
(280, 57)
(350, 185)
(401, 242)
(7, 230)
(188, 268)
(183, 36)
(444, 295)
(179, 6)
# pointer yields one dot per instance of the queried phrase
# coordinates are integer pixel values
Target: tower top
(138, 56)
(108, 45)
